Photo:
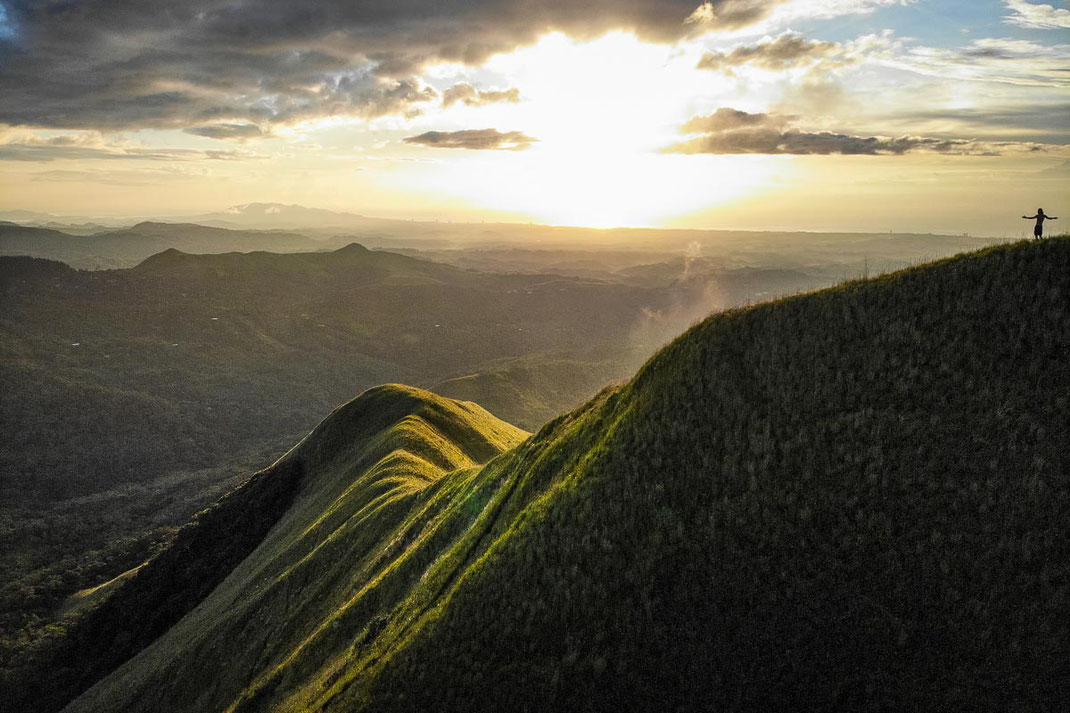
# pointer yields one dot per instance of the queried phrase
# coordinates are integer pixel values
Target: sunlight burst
(601, 110)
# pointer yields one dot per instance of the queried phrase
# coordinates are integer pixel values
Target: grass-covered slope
(855, 499)
(290, 544)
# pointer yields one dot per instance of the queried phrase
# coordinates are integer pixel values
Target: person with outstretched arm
(1038, 230)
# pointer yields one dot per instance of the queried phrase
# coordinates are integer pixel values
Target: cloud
(114, 177)
(7, 27)
(787, 50)
(1043, 17)
(112, 65)
(238, 132)
(730, 14)
(1047, 122)
(791, 49)
(473, 139)
(730, 131)
(1003, 60)
(726, 119)
(1060, 171)
(767, 14)
(88, 147)
(157, 64)
(470, 96)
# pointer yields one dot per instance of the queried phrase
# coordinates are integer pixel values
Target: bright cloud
(1044, 17)
(1002, 60)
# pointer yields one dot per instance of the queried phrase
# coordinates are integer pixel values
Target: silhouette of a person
(1038, 229)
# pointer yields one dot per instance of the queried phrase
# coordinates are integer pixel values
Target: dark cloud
(727, 119)
(729, 131)
(238, 132)
(158, 63)
(787, 50)
(791, 49)
(732, 14)
(469, 95)
(473, 139)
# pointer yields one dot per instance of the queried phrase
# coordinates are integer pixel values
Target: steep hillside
(292, 543)
(855, 499)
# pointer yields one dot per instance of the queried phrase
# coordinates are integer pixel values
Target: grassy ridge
(373, 467)
(852, 499)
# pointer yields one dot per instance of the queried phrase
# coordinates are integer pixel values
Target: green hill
(854, 499)
(313, 522)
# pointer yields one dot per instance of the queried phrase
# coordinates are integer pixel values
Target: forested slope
(852, 499)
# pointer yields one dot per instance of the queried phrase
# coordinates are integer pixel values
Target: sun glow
(601, 111)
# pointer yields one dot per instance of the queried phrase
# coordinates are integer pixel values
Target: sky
(868, 115)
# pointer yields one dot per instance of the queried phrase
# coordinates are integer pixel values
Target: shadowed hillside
(852, 499)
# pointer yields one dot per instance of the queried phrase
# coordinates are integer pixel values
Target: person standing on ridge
(1038, 230)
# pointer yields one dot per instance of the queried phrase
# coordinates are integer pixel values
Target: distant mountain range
(434, 234)
(278, 215)
(854, 499)
(127, 247)
(38, 219)
(484, 247)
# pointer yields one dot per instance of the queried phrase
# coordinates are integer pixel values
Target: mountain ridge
(388, 430)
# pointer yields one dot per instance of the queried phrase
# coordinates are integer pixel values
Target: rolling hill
(854, 499)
